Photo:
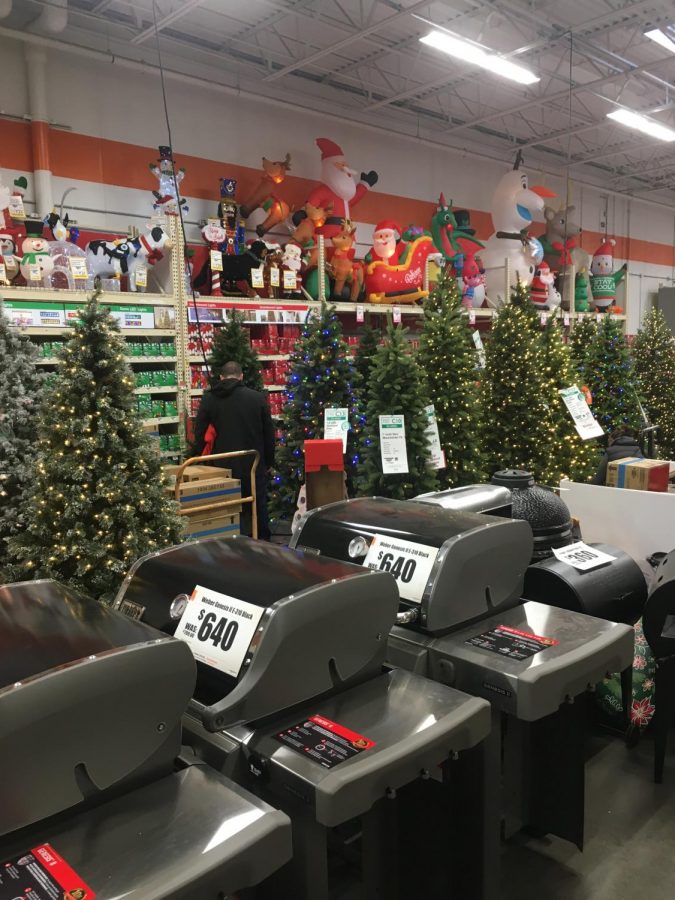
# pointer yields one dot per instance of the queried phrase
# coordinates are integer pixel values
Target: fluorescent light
(477, 56)
(661, 38)
(642, 123)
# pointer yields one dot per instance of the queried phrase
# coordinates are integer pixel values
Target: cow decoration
(113, 259)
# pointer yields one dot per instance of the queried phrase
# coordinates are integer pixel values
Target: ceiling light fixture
(642, 123)
(478, 56)
(656, 34)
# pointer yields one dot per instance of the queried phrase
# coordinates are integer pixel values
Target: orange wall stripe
(125, 165)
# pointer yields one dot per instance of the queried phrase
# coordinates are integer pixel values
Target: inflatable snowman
(514, 205)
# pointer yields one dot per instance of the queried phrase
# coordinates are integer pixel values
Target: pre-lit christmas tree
(571, 457)
(232, 343)
(610, 377)
(21, 385)
(321, 376)
(654, 355)
(97, 501)
(396, 387)
(581, 338)
(448, 356)
(519, 432)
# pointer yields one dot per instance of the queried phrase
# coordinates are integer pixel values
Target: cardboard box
(193, 494)
(217, 526)
(196, 473)
(638, 474)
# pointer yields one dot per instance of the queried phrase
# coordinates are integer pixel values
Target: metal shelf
(197, 392)
(53, 360)
(165, 389)
(60, 295)
(263, 357)
(163, 420)
(39, 331)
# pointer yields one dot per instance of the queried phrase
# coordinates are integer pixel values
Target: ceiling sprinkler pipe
(53, 18)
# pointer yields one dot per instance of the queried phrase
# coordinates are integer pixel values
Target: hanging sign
(360, 313)
(396, 314)
(257, 278)
(78, 267)
(16, 207)
(598, 317)
(586, 424)
(141, 276)
(216, 257)
(290, 280)
(410, 564)
(3, 273)
(436, 453)
(218, 629)
(478, 343)
(393, 450)
(581, 556)
(566, 321)
(542, 318)
(336, 425)
(472, 317)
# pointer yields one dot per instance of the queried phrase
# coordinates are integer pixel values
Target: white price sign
(275, 279)
(290, 280)
(218, 629)
(216, 260)
(586, 424)
(396, 314)
(141, 276)
(393, 450)
(472, 317)
(257, 278)
(582, 557)
(436, 454)
(478, 344)
(16, 207)
(410, 564)
(78, 267)
(360, 312)
(336, 425)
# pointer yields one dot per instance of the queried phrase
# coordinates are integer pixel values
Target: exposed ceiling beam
(182, 10)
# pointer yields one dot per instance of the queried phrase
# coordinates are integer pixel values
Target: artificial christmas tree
(518, 429)
(369, 341)
(654, 355)
(321, 376)
(571, 457)
(97, 501)
(448, 356)
(232, 343)
(582, 336)
(609, 374)
(396, 387)
(21, 385)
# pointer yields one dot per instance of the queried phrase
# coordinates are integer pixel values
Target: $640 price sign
(217, 629)
(409, 562)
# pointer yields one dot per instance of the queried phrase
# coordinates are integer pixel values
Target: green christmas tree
(610, 376)
(232, 343)
(321, 376)
(369, 341)
(581, 338)
(97, 502)
(396, 387)
(21, 384)
(654, 356)
(448, 356)
(571, 457)
(518, 429)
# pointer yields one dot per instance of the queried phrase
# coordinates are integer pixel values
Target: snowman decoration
(35, 263)
(514, 205)
(604, 282)
(166, 197)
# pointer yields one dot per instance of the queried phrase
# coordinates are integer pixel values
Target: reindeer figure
(316, 216)
(263, 196)
(345, 269)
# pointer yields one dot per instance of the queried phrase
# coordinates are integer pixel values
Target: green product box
(143, 379)
(158, 409)
(135, 348)
(164, 442)
(145, 406)
(168, 349)
(45, 349)
(159, 379)
(174, 441)
(171, 408)
(170, 378)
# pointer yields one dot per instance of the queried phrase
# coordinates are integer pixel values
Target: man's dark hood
(226, 387)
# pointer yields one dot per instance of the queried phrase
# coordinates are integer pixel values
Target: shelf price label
(78, 267)
(275, 280)
(582, 557)
(360, 312)
(141, 276)
(216, 260)
(290, 280)
(396, 314)
(218, 629)
(257, 278)
(409, 562)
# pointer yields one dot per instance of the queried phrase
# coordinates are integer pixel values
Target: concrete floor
(629, 851)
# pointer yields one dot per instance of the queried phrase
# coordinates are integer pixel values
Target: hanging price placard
(478, 343)
(472, 317)
(218, 629)
(216, 260)
(396, 314)
(566, 321)
(336, 425)
(436, 454)
(290, 280)
(586, 424)
(78, 267)
(360, 312)
(393, 450)
(16, 207)
(410, 564)
(542, 318)
(257, 278)
(141, 276)
(275, 279)
(581, 556)
(34, 272)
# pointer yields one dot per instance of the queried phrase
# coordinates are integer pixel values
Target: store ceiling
(362, 61)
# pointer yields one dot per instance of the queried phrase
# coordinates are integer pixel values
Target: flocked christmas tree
(654, 355)
(571, 457)
(232, 343)
(449, 357)
(518, 429)
(396, 387)
(97, 501)
(21, 385)
(321, 376)
(610, 377)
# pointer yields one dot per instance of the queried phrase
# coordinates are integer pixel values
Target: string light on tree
(654, 355)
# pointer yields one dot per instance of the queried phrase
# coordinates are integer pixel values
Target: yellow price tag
(290, 280)
(16, 207)
(216, 261)
(257, 278)
(141, 276)
(275, 281)
(78, 267)
(34, 273)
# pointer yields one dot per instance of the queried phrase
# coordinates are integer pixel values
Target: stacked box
(638, 474)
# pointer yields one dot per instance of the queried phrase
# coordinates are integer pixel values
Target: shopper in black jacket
(622, 444)
(242, 421)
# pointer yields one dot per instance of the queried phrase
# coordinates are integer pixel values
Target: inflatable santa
(338, 191)
(387, 245)
(541, 283)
